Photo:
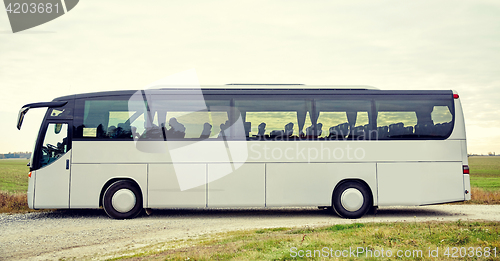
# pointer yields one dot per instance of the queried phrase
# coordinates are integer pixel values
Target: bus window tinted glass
(109, 119)
(268, 118)
(190, 118)
(167, 118)
(413, 119)
(344, 119)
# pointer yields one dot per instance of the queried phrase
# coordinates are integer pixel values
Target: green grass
(13, 186)
(484, 166)
(488, 184)
(485, 172)
(14, 175)
(285, 243)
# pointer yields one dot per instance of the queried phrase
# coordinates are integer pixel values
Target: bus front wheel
(351, 199)
(122, 200)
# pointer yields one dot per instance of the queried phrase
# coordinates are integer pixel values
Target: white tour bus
(350, 149)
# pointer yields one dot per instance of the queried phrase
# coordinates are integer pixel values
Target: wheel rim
(123, 200)
(352, 199)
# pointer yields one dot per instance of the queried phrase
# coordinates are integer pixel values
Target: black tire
(351, 199)
(122, 200)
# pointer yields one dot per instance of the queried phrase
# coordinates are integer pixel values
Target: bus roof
(291, 86)
(263, 89)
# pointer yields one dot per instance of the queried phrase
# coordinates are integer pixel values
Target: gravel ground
(90, 234)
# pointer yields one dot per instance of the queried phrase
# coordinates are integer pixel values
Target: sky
(126, 45)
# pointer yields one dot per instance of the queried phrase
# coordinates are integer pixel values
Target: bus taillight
(466, 169)
(29, 175)
(455, 96)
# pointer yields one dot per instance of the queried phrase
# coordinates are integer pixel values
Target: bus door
(52, 164)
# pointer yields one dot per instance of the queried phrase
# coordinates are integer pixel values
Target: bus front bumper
(31, 189)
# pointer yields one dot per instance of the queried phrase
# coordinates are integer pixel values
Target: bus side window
(102, 119)
(343, 119)
(180, 118)
(273, 119)
(415, 119)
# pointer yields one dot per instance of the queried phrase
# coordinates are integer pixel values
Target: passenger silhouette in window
(224, 127)
(319, 130)
(207, 129)
(313, 134)
(289, 129)
(261, 129)
(282, 134)
(177, 130)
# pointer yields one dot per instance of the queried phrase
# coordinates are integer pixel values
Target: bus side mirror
(20, 116)
(57, 128)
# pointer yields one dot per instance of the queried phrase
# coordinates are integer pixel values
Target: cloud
(387, 44)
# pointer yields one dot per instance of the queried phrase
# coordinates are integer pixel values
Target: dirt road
(91, 234)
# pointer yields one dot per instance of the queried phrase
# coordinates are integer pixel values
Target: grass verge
(483, 197)
(412, 240)
(13, 186)
(13, 202)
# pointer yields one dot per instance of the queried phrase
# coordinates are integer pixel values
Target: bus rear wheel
(122, 200)
(351, 199)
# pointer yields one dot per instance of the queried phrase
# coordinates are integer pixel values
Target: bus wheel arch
(352, 198)
(121, 198)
